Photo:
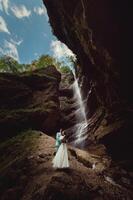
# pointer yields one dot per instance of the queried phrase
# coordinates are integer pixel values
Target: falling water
(81, 126)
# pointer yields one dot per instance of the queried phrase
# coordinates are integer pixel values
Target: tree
(8, 64)
(44, 61)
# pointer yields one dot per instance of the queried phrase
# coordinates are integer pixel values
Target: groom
(58, 141)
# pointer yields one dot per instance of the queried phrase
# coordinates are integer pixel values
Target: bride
(61, 158)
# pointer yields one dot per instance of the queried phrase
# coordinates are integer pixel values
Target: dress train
(61, 158)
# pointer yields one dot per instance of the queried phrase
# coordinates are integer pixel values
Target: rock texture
(67, 103)
(27, 172)
(100, 34)
(30, 100)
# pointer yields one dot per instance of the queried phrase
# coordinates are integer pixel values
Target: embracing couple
(61, 157)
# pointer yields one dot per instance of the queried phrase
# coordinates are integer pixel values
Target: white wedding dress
(61, 158)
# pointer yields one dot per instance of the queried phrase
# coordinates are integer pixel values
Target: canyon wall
(30, 100)
(100, 34)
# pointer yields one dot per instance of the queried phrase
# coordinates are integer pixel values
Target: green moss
(16, 148)
(14, 154)
(16, 112)
(38, 74)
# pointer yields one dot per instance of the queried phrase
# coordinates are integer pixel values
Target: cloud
(4, 5)
(3, 26)
(20, 11)
(36, 54)
(16, 42)
(40, 10)
(60, 50)
(10, 49)
(45, 35)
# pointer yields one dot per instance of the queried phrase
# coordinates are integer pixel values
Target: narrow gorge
(99, 34)
(92, 103)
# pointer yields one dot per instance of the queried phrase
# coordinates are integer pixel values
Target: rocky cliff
(99, 33)
(30, 100)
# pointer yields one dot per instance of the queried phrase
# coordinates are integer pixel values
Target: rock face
(30, 100)
(66, 100)
(27, 172)
(99, 33)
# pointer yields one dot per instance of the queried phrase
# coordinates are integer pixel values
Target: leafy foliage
(8, 64)
(65, 69)
(46, 60)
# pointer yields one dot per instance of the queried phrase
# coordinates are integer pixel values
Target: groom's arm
(64, 139)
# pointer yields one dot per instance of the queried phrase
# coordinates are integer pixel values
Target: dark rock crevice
(99, 33)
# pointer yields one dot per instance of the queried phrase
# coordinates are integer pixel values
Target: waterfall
(80, 128)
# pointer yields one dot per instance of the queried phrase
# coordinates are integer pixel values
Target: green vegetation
(65, 69)
(14, 157)
(8, 64)
(46, 60)
(6, 113)
(20, 145)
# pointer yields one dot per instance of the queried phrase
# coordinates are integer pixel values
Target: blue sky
(25, 33)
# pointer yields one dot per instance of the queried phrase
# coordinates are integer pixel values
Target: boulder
(30, 100)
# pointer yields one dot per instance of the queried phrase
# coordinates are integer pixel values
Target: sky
(25, 32)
